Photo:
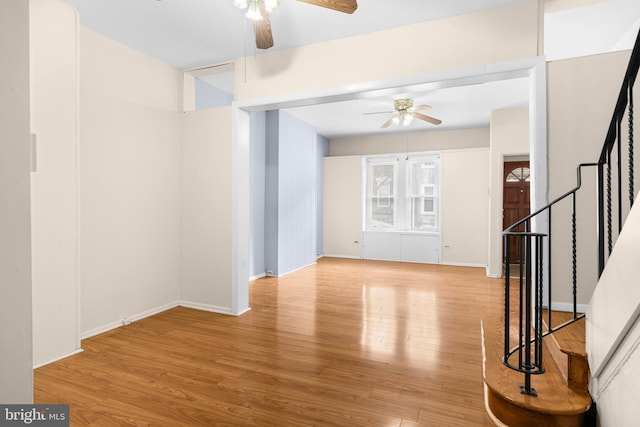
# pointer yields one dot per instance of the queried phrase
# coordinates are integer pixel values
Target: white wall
(499, 34)
(16, 365)
(410, 142)
(206, 210)
(465, 201)
(509, 137)
(613, 331)
(582, 95)
(54, 186)
(130, 183)
(342, 206)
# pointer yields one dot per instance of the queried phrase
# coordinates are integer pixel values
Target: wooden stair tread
(570, 339)
(555, 405)
(568, 350)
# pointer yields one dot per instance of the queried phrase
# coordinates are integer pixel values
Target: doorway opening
(516, 204)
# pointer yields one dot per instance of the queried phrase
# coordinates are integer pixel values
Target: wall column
(16, 369)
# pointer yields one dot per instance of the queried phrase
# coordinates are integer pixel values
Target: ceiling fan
(258, 11)
(406, 112)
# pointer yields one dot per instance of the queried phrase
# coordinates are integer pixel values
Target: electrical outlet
(269, 272)
(126, 321)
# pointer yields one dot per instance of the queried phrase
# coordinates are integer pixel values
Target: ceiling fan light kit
(241, 4)
(253, 12)
(271, 5)
(406, 112)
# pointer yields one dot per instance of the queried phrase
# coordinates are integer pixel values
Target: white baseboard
(132, 318)
(206, 307)
(241, 312)
(297, 269)
(39, 365)
(257, 276)
(491, 275)
(464, 264)
(340, 256)
(147, 313)
(568, 307)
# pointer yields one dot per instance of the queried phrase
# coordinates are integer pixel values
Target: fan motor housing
(402, 104)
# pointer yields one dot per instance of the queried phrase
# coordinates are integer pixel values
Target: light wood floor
(343, 343)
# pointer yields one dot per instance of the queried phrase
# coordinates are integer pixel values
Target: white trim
(464, 264)
(257, 276)
(626, 346)
(147, 313)
(297, 269)
(133, 318)
(616, 347)
(491, 275)
(568, 307)
(100, 330)
(341, 256)
(207, 307)
(40, 365)
(538, 164)
(240, 194)
(248, 309)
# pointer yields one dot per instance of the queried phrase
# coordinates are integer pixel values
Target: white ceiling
(193, 33)
(458, 107)
(600, 26)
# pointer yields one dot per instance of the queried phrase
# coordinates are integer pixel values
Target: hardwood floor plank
(345, 342)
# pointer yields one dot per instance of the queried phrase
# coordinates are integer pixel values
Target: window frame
(404, 196)
(369, 198)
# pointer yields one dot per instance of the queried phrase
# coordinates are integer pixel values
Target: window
(519, 174)
(380, 195)
(422, 187)
(402, 194)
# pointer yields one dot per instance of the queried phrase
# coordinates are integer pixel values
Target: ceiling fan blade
(262, 28)
(387, 123)
(429, 119)
(346, 6)
(378, 112)
(421, 107)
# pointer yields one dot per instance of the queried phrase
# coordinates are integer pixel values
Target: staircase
(562, 392)
(556, 403)
(535, 366)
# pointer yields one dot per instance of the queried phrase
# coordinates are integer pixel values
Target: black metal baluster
(601, 255)
(619, 173)
(574, 257)
(507, 294)
(522, 291)
(550, 287)
(631, 158)
(609, 224)
(538, 308)
(526, 388)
